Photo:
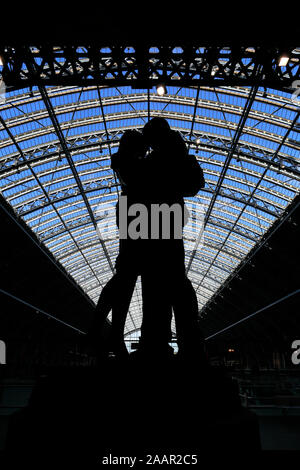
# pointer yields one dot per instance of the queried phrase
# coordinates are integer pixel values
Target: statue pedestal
(133, 408)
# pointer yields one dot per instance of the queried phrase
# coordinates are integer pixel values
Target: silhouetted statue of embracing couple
(155, 172)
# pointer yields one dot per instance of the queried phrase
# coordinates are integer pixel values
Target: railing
(269, 409)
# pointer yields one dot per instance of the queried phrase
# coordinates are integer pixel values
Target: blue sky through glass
(262, 179)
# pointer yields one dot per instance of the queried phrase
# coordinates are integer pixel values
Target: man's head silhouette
(162, 139)
(156, 131)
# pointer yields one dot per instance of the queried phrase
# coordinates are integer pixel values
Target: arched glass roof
(55, 148)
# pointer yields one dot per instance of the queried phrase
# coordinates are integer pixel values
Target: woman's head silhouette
(132, 144)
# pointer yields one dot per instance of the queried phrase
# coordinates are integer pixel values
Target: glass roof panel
(262, 174)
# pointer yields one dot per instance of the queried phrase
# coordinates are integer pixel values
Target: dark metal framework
(68, 106)
(145, 65)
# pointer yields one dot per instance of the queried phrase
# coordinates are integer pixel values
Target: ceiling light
(161, 89)
(283, 60)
